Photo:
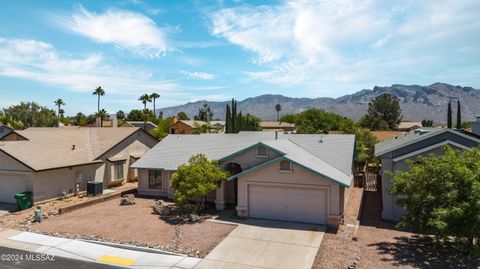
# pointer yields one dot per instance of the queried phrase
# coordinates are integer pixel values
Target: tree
(102, 115)
(145, 99)
(205, 113)
(59, 103)
(228, 118)
(135, 115)
(278, 107)
(162, 129)
(182, 116)
(154, 96)
(196, 179)
(383, 113)
(98, 92)
(441, 194)
(449, 115)
(459, 115)
(314, 120)
(120, 115)
(30, 114)
(427, 123)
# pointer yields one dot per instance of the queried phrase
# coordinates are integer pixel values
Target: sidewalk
(93, 252)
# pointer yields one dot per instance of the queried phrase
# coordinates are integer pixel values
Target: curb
(132, 247)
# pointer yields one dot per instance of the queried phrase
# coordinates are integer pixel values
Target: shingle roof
(412, 137)
(48, 148)
(174, 150)
(276, 124)
(193, 123)
(409, 124)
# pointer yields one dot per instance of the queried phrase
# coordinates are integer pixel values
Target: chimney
(476, 125)
(174, 119)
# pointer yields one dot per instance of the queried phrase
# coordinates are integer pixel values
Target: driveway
(267, 244)
(6, 208)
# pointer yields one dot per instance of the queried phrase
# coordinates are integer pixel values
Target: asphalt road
(14, 259)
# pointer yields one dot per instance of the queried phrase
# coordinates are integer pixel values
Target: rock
(161, 208)
(193, 217)
(127, 199)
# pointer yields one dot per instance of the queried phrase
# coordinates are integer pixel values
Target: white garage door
(11, 185)
(288, 203)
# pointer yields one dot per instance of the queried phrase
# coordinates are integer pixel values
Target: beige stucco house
(51, 162)
(291, 177)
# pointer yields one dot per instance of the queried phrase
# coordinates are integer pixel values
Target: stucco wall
(181, 128)
(143, 189)
(249, 158)
(51, 183)
(299, 177)
(7, 163)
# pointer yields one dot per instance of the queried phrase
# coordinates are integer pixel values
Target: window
(285, 165)
(262, 151)
(154, 179)
(118, 170)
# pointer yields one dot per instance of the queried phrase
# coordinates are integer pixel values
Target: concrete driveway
(267, 244)
(6, 208)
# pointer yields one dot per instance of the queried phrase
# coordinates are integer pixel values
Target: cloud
(198, 75)
(318, 43)
(123, 28)
(39, 61)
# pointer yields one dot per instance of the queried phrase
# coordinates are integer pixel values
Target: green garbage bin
(24, 200)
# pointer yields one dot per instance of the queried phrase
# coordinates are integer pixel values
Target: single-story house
(185, 126)
(395, 152)
(277, 126)
(50, 162)
(292, 177)
(219, 125)
(406, 126)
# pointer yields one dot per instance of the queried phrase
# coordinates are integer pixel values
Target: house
(395, 152)
(219, 125)
(406, 126)
(140, 124)
(185, 126)
(4, 130)
(277, 126)
(292, 177)
(52, 161)
(386, 135)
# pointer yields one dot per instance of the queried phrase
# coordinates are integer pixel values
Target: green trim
(246, 172)
(249, 148)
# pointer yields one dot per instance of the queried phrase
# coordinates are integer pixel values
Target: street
(14, 259)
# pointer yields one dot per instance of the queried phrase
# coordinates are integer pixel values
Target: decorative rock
(193, 217)
(161, 208)
(127, 199)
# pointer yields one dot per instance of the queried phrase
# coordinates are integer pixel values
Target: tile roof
(386, 135)
(409, 124)
(174, 150)
(48, 148)
(193, 123)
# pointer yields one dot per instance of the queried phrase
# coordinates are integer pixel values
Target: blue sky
(216, 50)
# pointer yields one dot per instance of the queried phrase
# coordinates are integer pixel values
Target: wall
(249, 158)
(143, 189)
(181, 128)
(300, 176)
(51, 183)
(8, 163)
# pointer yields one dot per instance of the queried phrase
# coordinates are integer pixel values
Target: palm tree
(102, 114)
(145, 99)
(154, 97)
(99, 92)
(59, 103)
(278, 107)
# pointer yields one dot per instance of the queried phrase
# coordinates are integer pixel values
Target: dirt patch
(136, 224)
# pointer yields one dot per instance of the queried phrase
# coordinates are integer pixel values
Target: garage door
(288, 203)
(10, 185)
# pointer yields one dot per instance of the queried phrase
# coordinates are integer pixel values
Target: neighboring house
(4, 130)
(219, 125)
(140, 124)
(395, 152)
(386, 135)
(406, 126)
(292, 177)
(277, 126)
(52, 161)
(185, 126)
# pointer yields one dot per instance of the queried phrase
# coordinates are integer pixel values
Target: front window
(154, 179)
(262, 151)
(118, 170)
(285, 165)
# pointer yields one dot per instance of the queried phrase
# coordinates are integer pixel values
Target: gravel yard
(138, 225)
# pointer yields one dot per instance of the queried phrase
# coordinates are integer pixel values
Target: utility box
(94, 188)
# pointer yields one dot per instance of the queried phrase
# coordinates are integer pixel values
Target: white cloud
(198, 75)
(350, 42)
(39, 61)
(124, 29)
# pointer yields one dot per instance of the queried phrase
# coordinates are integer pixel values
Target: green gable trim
(247, 149)
(253, 169)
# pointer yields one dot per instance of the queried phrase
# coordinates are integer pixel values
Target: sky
(217, 50)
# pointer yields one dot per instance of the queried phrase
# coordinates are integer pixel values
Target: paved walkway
(266, 244)
(86, 251)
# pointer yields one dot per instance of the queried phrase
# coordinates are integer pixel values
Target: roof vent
(73, 147)
(321, 139)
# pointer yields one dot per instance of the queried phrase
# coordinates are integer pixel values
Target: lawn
(138, 225)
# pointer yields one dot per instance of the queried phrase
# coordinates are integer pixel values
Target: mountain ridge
(417, 103)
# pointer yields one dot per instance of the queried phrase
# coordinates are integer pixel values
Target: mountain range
(417, 103)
